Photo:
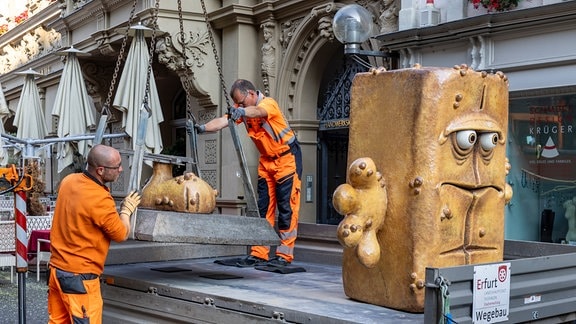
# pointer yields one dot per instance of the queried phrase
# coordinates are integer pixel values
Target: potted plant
(495, 5)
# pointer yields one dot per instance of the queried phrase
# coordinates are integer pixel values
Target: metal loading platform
(200, 291)
(150, 282)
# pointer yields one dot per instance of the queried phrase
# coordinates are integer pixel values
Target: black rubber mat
(220, 276)
(229, 262)
(283, 270)
(170, 269)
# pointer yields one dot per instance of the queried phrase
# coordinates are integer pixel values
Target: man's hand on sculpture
(130, 203)
(236, 113)
(200, 128)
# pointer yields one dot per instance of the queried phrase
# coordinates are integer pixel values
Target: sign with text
(491, 293)
(544, 129)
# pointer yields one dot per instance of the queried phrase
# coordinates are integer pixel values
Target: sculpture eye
(466, 139)
(488, 141)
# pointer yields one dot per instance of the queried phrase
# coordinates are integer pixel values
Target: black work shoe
(251, 261)
(278, 261)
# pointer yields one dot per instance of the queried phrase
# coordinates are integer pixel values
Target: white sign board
(491, 293)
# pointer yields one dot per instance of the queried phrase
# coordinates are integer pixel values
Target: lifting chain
(216, 57)
(106, 107)
(151, 56)
(182, 40)
(191, 119)
(250, 195)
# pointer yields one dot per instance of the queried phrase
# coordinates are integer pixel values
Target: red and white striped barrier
(21, 237)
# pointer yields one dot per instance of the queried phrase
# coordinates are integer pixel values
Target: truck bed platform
(201, 291)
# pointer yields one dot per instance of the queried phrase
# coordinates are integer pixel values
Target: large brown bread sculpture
(437, 136)
(185, 193)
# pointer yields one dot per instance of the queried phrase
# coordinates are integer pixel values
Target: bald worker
(85, 222)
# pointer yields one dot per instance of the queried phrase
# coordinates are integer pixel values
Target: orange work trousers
(279, 186)
(74, 298)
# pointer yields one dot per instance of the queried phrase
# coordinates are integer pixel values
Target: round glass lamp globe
(352, 24)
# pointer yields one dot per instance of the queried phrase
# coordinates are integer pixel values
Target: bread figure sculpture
(437, 137)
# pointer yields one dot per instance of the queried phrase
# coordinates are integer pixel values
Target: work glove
(130, 203)
(236, 113)
(200, 128)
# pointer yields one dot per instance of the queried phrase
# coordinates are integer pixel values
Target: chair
(34, 223)
(41, 256)
(8, 246)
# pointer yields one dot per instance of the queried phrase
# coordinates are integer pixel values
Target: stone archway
(309, 45)
(298, 87)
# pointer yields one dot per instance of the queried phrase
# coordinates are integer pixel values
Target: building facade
(288, 48)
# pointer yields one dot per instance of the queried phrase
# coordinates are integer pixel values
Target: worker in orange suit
(85, 222)
(279, 168)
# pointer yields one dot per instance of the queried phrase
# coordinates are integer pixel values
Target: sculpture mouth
(472, 187)
(468, 222)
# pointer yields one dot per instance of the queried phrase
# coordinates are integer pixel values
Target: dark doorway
(333, 152)
(333, 114)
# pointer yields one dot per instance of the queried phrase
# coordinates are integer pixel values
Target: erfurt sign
(491, 293)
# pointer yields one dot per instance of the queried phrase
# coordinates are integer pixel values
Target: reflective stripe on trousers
(279, 189)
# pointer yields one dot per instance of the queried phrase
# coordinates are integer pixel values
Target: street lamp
(353, 26)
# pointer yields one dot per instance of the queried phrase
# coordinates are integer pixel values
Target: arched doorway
(333, 115)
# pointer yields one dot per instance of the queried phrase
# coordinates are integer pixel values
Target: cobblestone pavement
(36, 298)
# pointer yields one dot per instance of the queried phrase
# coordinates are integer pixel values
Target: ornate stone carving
(322, 10)
(325, 27)
(102, 39)
(205, 116)
(324, 14)
(97, 79)
(210, 177)
(36, 43)
(288, 28)
(477, 53)
(388, 19)
(78, 3)
(268, 55)
(196, 51)
(210, 151)
(172, 57)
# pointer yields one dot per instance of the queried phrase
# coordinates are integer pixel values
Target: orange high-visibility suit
(85, 221)
(279, 175)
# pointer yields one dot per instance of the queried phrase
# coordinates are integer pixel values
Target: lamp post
(352, 26)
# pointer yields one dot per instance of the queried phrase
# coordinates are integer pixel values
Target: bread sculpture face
(186, 193)
(434, 142)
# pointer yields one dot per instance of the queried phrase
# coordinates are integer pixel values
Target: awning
(73, 107)
(132, 89)
(4, 114)
(29, 116)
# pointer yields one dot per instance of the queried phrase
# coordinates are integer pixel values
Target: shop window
(542, 152)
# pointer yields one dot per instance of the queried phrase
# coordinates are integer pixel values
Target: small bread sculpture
(185, 193)
(363, 203)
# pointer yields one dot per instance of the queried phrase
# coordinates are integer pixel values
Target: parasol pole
(145, 113)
